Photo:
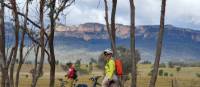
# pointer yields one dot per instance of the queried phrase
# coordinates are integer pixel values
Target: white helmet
(108, 51)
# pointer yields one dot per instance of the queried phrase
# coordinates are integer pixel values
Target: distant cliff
(88, 40)
(89, 31)
(179, 43)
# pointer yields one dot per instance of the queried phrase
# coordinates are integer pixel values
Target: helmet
(108, 51)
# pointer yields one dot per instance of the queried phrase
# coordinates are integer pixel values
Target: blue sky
(181, 13)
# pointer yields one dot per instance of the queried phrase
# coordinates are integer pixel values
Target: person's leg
(114, 84)
(115, 81)
(120, 81)
(105, 82)
(70, 82)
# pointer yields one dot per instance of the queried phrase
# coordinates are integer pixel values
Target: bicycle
(94, 80)
(63, 82)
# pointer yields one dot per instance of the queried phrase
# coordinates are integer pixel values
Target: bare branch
(27, 53)
(23, 15)
(10, 57)
(62, 7)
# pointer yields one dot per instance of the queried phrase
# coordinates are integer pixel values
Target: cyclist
(110, 76)
(71, 75)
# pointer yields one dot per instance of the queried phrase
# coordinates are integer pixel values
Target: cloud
(183, 13)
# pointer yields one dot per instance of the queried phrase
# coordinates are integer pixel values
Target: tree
(38, 70)
(146, 62)
(16, 21)
(22, 58)
(3, 59)
(78, 64)
(132, 36)
(50, 42)
(53, 16)
(159, 45)
(111, 30)
(171, 64)
(55, 8)
(178, 69)
(124, 54)
(90, 67)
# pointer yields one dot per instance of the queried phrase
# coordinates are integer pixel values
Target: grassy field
(186, 77)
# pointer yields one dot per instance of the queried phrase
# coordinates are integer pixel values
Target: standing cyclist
(110, 77)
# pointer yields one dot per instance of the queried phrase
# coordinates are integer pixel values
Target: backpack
(75, 76)
(118, 67)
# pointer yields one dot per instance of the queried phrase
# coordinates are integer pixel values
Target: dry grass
(185, 78)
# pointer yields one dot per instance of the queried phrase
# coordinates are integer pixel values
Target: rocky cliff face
(90, 31)
(179, 43)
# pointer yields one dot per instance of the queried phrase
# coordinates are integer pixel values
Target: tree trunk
(35, 68)
(38, 70)
(17, 74)
(113, 28)
(6, 78)
(5, 82)
(51, 44)
(2, 36)
(132, 35)
(21, 61)
(159, 46)
(16, 20)
(108, 25)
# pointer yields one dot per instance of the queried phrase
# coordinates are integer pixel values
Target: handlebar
(94, 78)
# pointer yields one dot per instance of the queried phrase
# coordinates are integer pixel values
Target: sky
(180, 13)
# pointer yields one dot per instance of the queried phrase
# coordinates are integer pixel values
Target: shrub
(146, 62)
(161, 72)
(170, 64)
(78, 64)
(90, 67)
(150, 73)
(57, 62)
(198, 75)
(26, 75)
(178, 69)
(171, 75)
(166, 74)
(162, 65)
(93, 60)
